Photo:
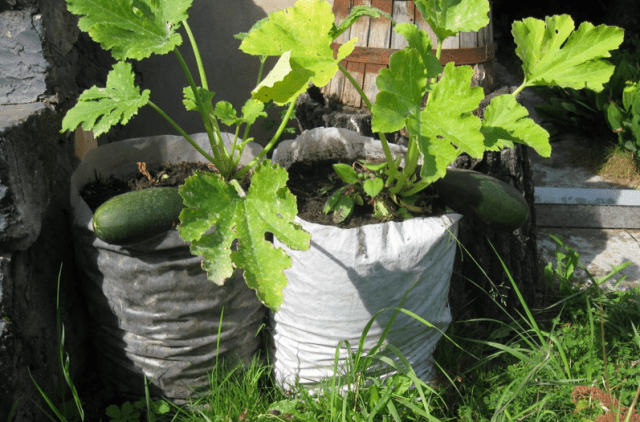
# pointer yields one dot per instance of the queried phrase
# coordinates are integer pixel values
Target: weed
(573, 360)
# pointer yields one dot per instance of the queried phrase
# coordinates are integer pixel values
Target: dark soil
(306, 180)
(168, 175)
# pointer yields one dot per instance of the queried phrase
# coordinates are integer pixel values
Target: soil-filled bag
(348, 275)
(153, 310)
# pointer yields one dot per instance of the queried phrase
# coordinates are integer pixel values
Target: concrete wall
(44, 64)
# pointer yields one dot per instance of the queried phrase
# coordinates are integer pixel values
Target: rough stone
(35, 166)
(26, 169)
(48, 63)
(23, 67)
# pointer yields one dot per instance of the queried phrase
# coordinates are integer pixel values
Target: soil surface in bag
(311, 183)
(167, 175)
(308, 180)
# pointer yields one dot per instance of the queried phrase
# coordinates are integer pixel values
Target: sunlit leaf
(268, 207)
(553, 54)
(132, 29)
(98, 109)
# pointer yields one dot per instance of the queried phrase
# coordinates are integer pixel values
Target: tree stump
(478, 288)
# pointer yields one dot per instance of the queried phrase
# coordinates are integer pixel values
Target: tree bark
(480, 286)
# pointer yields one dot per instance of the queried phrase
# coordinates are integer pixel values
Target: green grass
(577, 358)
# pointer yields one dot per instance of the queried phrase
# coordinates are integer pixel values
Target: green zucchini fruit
(137, 216)
(483, 197)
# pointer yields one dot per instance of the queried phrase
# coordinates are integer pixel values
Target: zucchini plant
(301, 36)
(136, 29)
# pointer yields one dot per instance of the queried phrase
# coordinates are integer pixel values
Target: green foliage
(624, 117)
(267, 207)
(367, 180)
(615, 110)
(553, 54)
(448, 17)
(435, 104)
(67, 409)
(436, 112)
(505, 122)
(571, 111)
(132, 412)
(132, 29)
(445, 128)
(100, 108)
(305, 50)
(356, 13)
(127, 413)
(524, 367)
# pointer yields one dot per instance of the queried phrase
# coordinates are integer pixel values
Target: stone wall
(44, 64)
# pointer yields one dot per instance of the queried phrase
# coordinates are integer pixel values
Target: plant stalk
(271, 143)
(383, 139)
(263, 59)
(184, 134)
(196, 53)
(217, 147)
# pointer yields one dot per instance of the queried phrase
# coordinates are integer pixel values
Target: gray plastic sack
(348, 275)
(153, 310)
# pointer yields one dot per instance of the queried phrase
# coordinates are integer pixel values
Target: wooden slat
(349, 95)
(377, 41)
(470, 55)
(334, 88)
(403, 12)
(468, 39)
(451, 43)
(359, 29)
(379, 37)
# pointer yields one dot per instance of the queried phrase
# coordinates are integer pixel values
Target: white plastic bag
(348, 275)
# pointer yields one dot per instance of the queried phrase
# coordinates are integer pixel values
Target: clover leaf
(267, 207)
(100, 108)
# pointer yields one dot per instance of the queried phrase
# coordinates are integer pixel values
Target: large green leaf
(402, 87)
(505, 121)
(301, 36)
(268, 207)
(419, 39)
(100, 108)
(553, 54)
(132, 28)
(284, 83)
(446, 126)
(448, 17)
